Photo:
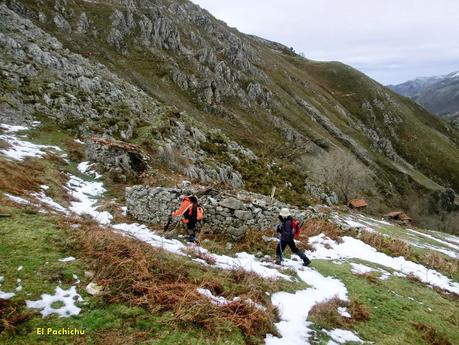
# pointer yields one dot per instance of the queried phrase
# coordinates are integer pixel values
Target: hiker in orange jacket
(189, 210)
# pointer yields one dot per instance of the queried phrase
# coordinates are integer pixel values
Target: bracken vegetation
(326, 314)
(138, 275)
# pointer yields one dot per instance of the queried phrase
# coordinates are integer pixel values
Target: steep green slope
(416, 136)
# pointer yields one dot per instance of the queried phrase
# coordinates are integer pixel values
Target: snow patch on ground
(248, 262)
(294, 307)
(17, 199)
(354, 224)
(450, 253)
(342, 336)
(83, 167)
(5, 295)
(67, 259)
(217, 300)
(19, 149)
(88, 168)
(452, 238)
(384, 222)
(361, 269)
(142, 233)
(243, 260)
(418, 241)
(86, 193)
(43, 198)
(371, 221)
(12, 128)
(220, 300)
(77, 280)
(353, 248)
(344, 312)
(447, 244)
(67, 297)
(372, 225)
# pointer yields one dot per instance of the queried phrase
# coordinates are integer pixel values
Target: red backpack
(296, 228)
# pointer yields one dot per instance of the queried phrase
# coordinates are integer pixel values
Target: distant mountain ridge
(438, 94)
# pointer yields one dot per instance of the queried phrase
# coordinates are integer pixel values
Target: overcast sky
(390, 40)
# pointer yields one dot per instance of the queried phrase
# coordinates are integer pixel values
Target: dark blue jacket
(286, 230)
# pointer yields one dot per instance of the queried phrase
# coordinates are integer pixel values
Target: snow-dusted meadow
(294, 307)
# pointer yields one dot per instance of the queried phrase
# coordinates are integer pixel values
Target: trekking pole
(169, 221)
(279, 247)
(281, 255)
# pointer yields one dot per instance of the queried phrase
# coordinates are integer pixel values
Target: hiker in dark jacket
(289, 229)
(189, 210)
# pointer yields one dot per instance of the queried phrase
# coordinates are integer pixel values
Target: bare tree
(343, 173)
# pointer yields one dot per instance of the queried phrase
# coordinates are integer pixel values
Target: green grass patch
(35, 242)
(394, 304)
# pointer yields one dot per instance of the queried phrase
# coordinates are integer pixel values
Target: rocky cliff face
(43, 79)
(209, 102)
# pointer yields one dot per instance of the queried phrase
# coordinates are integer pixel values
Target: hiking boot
(192, 239)
(306, 262)
(278, 262)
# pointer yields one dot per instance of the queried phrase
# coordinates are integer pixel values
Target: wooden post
(273, 192)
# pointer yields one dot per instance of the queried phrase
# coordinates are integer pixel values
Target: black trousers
(191, 228)
(291, 243)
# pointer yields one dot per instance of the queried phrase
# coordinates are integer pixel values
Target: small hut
(399, 216)
(358, 203)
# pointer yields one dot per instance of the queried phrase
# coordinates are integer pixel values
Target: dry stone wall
(232, 215)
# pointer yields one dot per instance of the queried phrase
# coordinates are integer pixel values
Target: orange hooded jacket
(185, 206)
